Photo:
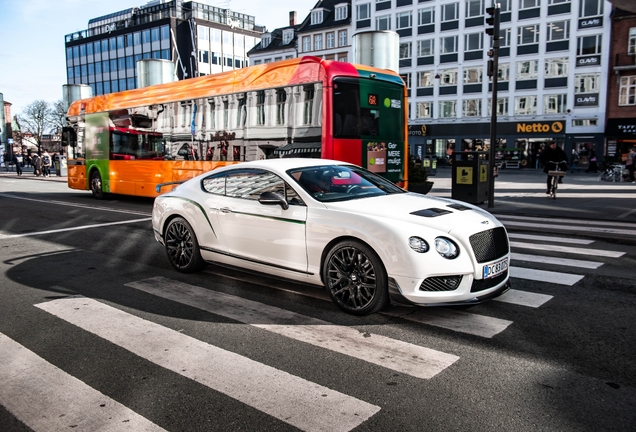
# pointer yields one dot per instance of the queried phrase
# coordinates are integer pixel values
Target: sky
(32, 52)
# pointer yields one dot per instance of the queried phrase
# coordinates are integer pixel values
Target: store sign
(541, 127)
(590, 99)
(586, 23)
(625, 127)
(417, 130)
(588, 61)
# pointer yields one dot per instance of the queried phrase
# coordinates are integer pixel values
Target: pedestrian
(630, 164)
(57, 163)
(46, 164)
(593, 168)
(575, 160)
(36, 161)
(552, 157)
(17, 161)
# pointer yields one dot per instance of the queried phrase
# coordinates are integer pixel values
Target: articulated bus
(128, 142)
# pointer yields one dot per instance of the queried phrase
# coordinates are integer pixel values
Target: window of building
(525, 105)
(471, 108)
(424, 110)
(308, 105)
(584, 122)
(288, 35)
(448, 77)
(317, 42)
(363, 11)
(447, 109)
(426, 16)
(474, 42)
(504, 5)
(405, 50)
(527, 70)
(257, 62)
(627, 91)
(587, 83)
(331, 40)
(165, 32)
(473, 75)
(383, 22)
(474, 8)
(590, 8)
(145, 36)
(342, 38)
(556, 67)
(407, 79)
(529, 4)
(120, 42)
(343, 58)
(306, 43)
(341, 12)
(425, 47)
(450, 12)
(553, 2)
(502, 106)
(403, 20)
(203, 56)
(504, 72)
(448, 45)
(559, 30)
(425, 79)
(631, 43)
(555, 104)
(281, 99)
(528, 34)
(316, 17)
(505, 35)
(589, 45)
(260, 107)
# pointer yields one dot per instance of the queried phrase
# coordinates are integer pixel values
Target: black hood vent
(431, 212)
(459, 207)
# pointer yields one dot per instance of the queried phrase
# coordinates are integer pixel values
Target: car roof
(284, 164)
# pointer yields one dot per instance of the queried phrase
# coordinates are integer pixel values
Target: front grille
(489, 245)
(484, 284)
(441, 283)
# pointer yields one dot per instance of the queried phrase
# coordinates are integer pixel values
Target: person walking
(17, 161)
(36, 161)
(593, 168)
(57, 162)
(630, 164)
(575, 160)
(551, 156)
(46, 164)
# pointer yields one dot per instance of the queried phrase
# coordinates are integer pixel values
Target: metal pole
(493, 110)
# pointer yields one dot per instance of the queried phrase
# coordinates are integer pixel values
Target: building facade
(279, 44)
(326, 31)
(199, 39)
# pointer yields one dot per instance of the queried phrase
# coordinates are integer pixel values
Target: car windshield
(332, 183)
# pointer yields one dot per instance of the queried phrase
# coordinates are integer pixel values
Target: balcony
(625, 61)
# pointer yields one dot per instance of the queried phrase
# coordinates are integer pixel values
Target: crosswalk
(30, 382)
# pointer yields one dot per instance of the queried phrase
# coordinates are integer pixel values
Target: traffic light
(493, 20)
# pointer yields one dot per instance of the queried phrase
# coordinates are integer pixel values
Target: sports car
(335, 225)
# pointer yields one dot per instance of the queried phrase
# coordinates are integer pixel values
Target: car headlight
(418, 244)
(446, 248)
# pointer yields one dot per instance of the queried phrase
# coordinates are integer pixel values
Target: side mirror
(273, 198)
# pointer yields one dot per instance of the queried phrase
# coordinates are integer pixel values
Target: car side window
(214, 184)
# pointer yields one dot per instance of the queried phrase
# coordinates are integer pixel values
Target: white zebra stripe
(545, 276)
(568, 262)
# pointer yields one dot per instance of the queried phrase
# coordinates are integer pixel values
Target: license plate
(494, 269)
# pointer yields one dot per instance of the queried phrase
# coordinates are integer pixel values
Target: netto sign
(540, 127)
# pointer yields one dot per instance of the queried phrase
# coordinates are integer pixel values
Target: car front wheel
(355, 278)
(182, 247)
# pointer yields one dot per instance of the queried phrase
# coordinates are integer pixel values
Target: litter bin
(430, 164)
(470, 177)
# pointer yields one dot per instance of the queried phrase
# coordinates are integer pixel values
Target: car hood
(440, 213)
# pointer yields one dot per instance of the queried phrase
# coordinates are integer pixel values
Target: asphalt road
(97, 330)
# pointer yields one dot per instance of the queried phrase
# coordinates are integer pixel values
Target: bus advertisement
(128, 142)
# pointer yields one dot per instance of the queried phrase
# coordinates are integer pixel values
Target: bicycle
(612, 173)
(556, 175)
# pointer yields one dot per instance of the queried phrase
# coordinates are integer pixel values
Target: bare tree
(35, 120)
(57, 116)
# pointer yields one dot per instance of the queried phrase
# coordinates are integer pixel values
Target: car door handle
(225, 210)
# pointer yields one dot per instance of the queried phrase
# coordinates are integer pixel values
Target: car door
(266, 234)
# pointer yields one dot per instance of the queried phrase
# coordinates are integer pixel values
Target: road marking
(463, 322)
(10, 236)
(523, 298)
(567, 249)
(566, 221)
(70, 204)
(545, 276)
(570, 228)
(556, 261)
(550, 239)
(293, 400)
(624, 215)
(393, 354)
(46, 398)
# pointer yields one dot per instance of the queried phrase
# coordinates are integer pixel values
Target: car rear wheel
(96, 185)
(182, 247)
(355, 278)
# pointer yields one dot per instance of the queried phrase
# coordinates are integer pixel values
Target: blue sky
(32, 54)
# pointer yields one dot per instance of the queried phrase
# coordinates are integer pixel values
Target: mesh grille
(441, 283)
(489, 245)
(484, 284)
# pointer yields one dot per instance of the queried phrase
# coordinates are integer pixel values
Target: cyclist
(552, 155)
(630, 164)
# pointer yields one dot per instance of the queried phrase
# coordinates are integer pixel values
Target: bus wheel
(96, 185)
(182, 246)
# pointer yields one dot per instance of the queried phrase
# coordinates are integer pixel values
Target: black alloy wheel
(96, 185)
(182, 247)
(355, 278)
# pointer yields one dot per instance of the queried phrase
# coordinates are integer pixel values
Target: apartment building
(197, 38)
(279, 44)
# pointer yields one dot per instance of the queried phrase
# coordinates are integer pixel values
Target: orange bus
(128, 142)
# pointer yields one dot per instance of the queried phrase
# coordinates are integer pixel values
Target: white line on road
(556, 261)
(523, 298)
(70, 204)
(590, 229)
(293, 400)
(400, 356)
(566, 221)
(10, 236)
(550, 239)
(567, 249)
(545, 276)
(46, 398)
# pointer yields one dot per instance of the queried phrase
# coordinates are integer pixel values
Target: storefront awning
(298, 148)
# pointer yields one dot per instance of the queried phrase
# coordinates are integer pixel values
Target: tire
(96, 185)
(355, 278)
(182, 247)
